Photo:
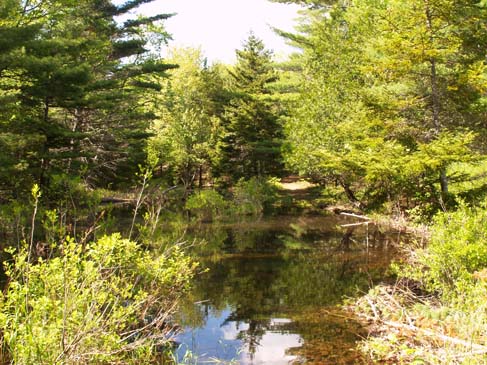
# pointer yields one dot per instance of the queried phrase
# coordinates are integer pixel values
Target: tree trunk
(72, 146)
(435, 98)
(350, 194)
(43, 179)
(200, 177)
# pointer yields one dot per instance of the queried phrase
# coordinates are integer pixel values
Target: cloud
(273, 349)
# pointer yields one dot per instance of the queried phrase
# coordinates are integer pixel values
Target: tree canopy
(71, 79)
(392, 95)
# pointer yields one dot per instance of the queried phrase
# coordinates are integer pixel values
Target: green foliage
(187, 127)
(67, 207)
(207, 204)
(107, 302)
(250, 197)
(252, 138)
(71, 92)
(457, 250)
(469, 180)
(73, 192)
(254, 196)
(14, 220)
(453, 268)
(384, 111)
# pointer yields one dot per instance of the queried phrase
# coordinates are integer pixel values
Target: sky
(220, 338)
(220, 27)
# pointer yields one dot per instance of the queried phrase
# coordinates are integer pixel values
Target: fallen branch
(453, 340)
(111, 200)
(92, 228)
(470, 353)
(356, 216)
(374, 310)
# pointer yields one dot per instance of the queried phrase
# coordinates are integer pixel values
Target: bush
(457, 250)
(206, 204)
(108, 302)
(254, 196)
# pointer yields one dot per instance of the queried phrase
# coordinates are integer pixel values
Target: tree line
(86, 97)
(385, 100)
(384, 105)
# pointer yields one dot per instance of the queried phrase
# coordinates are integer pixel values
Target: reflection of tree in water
(356, 237)
(246, 285)
(328, 338)
(267, 277)
(346, 240)
(252, 336)
(259, 289)
(245, 238)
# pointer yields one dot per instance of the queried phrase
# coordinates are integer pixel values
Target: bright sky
(220, 27)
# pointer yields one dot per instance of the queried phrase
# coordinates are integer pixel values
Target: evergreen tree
(434, 51)
(252, 141)
(390, 91)
(15, 34)
(73, 78)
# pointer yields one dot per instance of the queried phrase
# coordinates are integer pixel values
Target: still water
(270, 291)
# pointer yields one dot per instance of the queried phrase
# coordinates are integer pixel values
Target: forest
(104, 143)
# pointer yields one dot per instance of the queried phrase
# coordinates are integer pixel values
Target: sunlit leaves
(389, 92)
(106, 301)
(187, 126)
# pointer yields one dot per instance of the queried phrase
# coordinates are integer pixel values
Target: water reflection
(240, 342)
(269, 299)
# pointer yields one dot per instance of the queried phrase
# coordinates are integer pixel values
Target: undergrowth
(437, 313)
(108, 302)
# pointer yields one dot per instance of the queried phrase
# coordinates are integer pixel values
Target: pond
(271, 290)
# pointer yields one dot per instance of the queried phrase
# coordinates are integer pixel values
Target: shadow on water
(272, 289)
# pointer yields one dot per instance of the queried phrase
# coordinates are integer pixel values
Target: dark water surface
(272, 297)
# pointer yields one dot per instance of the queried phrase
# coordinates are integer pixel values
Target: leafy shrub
(458, 249)
(206, 204)
(108, 302)
(253, 196)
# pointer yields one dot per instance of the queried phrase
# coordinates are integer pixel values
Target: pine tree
(74, 80)
(252, 141)
(16, 141)
(434, 50)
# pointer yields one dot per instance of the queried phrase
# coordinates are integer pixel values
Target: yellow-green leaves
(392, 94)
(90, 304)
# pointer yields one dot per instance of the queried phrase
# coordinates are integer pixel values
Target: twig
(465, 354)
(202, 301)
(139, 200)
(93, 227)
(372, 306)
(36, 193)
